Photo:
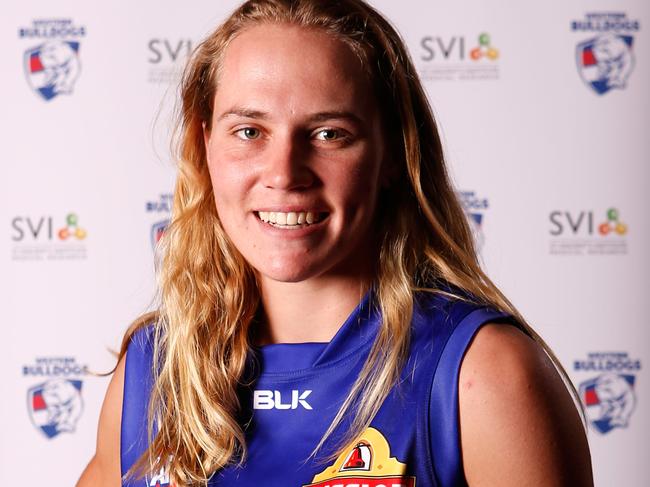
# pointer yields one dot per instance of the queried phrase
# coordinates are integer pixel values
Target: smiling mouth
(291, 219)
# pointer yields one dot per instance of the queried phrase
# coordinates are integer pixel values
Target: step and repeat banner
(544, 109)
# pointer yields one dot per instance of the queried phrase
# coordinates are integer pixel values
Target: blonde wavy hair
(209, 294)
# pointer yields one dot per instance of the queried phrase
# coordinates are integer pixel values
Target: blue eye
(248, 133)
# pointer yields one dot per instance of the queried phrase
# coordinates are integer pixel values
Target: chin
(286, 273)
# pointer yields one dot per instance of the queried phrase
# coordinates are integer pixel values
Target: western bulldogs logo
(475, 208)
(157, 231)
(605, 62)
(53, 67)
(475, 222)
(162, 205)
(609, 400)
(55, 406)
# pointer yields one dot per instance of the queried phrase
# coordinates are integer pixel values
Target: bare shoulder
(518, 422)
(104, 467)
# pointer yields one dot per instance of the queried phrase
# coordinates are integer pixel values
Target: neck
(311, 311)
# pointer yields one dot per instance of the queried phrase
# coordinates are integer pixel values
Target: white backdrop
(545, 122)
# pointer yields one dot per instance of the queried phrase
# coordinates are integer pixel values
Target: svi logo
(42, 228)
(40, 238)
(166, 58)
(447, 58)
(576, 233)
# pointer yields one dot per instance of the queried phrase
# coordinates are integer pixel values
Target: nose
(287, 166)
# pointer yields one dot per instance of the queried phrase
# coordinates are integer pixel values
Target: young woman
(324, 320)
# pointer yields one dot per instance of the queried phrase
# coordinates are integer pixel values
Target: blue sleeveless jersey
(413, 441)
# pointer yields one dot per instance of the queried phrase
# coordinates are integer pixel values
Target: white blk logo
(273, 400)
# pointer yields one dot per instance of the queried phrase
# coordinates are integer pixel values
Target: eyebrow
(244, 112)
(335, 115)
(316, 117)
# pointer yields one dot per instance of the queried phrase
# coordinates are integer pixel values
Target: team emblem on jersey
(609, 400)
(360, 458)
(605, 62)
(52, 68)
(366, 462)
(157, 231)
(55, 406)
(161, 479)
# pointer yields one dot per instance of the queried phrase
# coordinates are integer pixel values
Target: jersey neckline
(354, 334)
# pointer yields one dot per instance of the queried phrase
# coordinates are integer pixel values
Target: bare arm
(104, 468)
(519, 426)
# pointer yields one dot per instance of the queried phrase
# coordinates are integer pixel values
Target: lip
(293, 208)
(290, 233)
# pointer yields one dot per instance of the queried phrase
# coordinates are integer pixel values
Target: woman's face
(295, 153)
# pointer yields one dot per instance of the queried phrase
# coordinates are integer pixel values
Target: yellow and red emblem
(365, 463)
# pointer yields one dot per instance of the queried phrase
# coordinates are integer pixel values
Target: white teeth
(289, 219)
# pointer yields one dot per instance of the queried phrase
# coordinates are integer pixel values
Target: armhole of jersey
(135, 400)
(444, 423)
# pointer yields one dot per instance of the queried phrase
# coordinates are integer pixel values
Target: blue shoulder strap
(443, 411)
(137, 387)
